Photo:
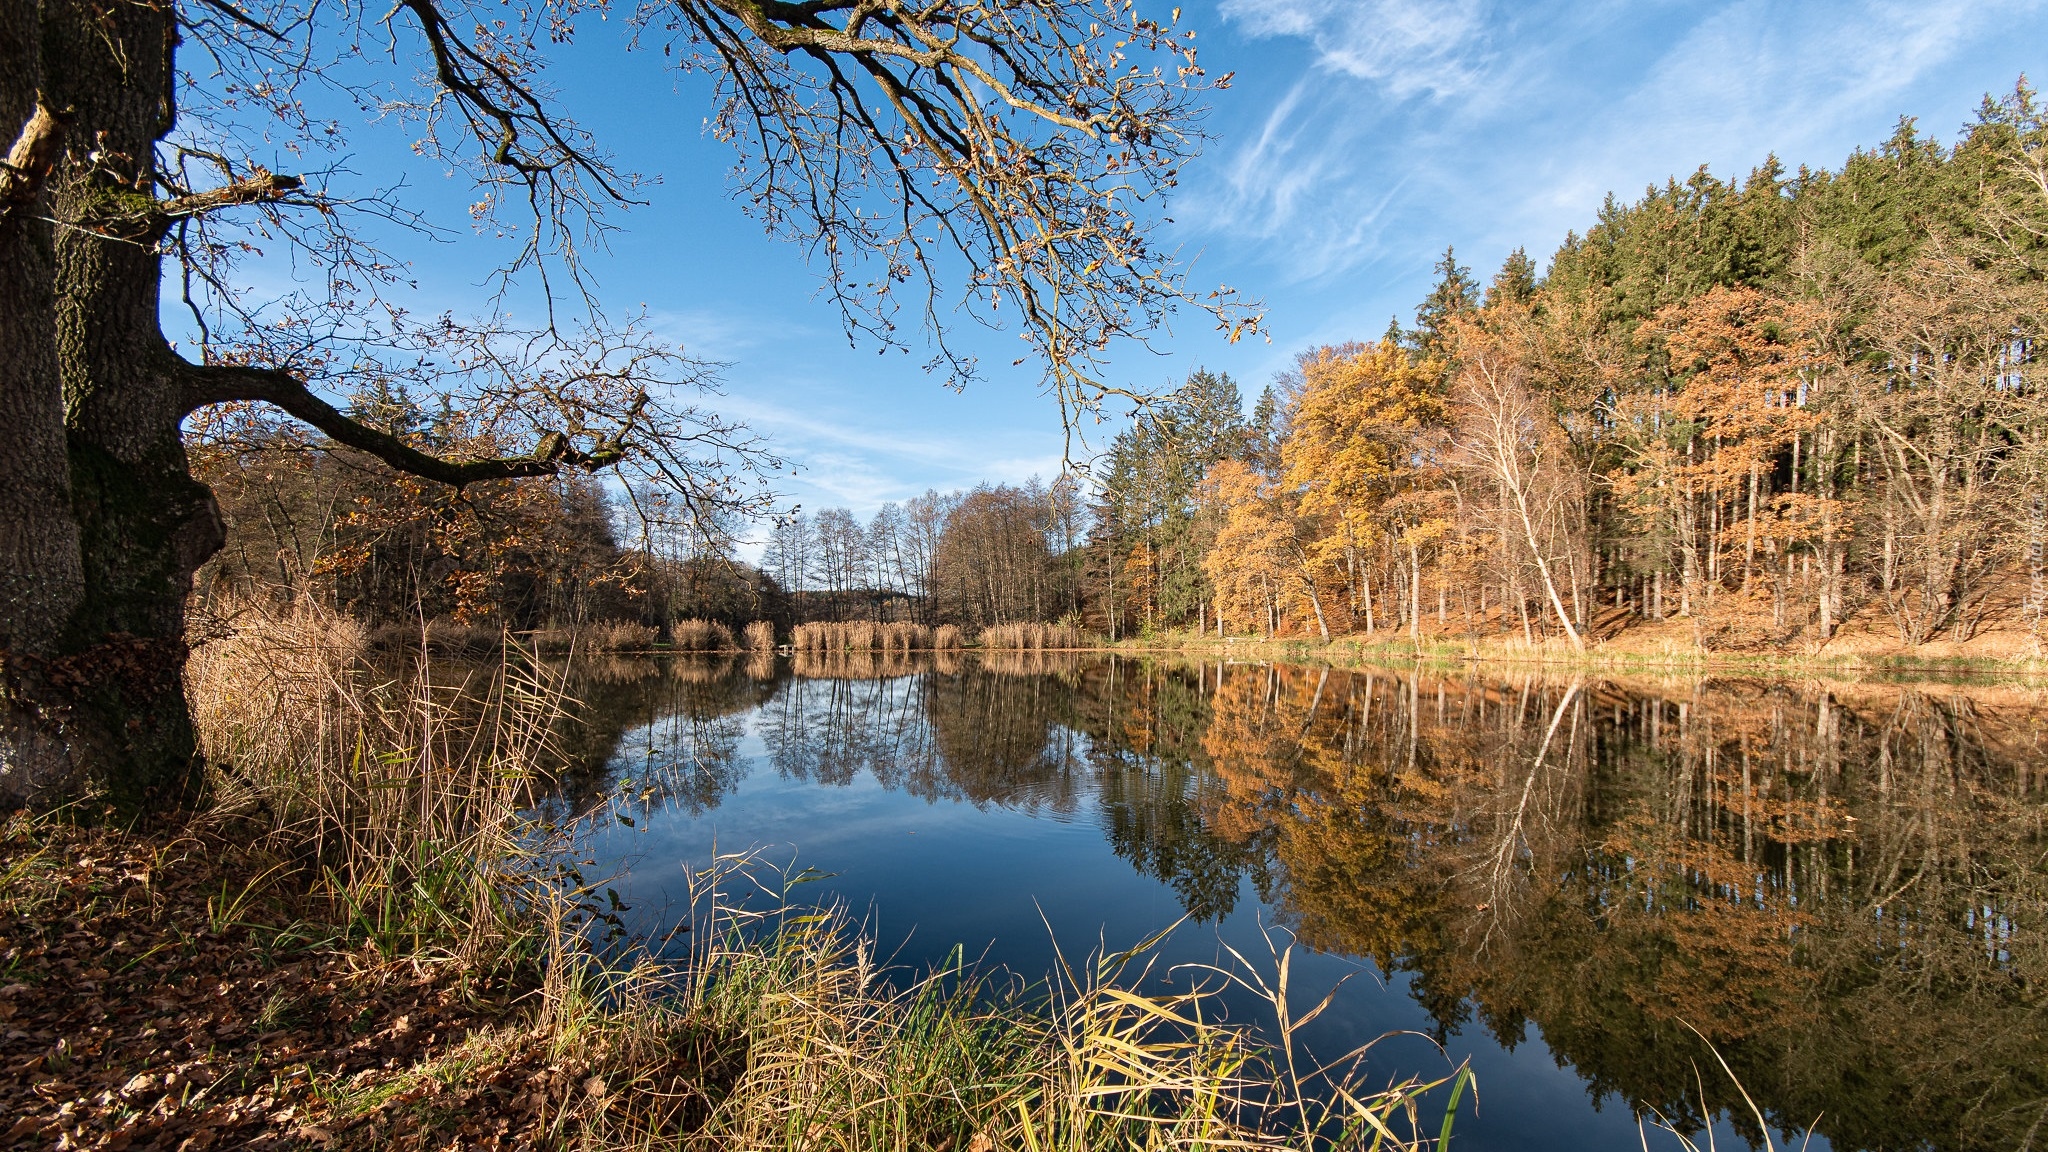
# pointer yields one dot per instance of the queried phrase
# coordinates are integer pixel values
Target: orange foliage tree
(1365, 438)
(1261, 564)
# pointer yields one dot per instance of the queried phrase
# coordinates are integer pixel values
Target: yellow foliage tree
(1705, 445)
(1261, 563)
(1365, 434)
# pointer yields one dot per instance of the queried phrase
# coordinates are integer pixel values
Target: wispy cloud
(1408, 47)
(844, 459)
(1420, 124)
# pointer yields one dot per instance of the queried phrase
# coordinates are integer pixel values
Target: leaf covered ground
(176, 989)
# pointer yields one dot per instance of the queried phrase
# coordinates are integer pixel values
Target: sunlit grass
(407, 805)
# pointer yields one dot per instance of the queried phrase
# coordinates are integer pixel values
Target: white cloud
(1426, 123)
(843, 460)
(1408, 47)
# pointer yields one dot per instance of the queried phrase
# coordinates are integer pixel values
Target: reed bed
(622, 636)
(863, 636)
(402, 794)
(599, 636)
(1034, 637)
(760, 636)
(441, 637)
(701, 636)
(948, 638)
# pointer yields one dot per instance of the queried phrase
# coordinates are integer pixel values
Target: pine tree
(1515, 283)
(1455, 293)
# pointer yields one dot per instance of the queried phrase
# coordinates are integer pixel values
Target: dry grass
(947, 638)
(403, 794)
(1033, 637)
(440, 637)
(864, 636)
(760, 636)
(825, 1048)
(701, 636)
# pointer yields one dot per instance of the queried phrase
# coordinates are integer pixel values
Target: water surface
(1839, 885)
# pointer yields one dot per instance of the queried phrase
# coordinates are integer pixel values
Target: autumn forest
(1750, 413)
(438, 708)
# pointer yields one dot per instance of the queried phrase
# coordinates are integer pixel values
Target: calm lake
(1840, 885)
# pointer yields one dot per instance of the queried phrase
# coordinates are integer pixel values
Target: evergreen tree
(1515, 283)
(1455, 292)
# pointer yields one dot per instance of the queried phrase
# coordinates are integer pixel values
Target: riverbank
(1646, 649)
(173, 987)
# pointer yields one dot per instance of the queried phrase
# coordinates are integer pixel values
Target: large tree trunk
(145, 524)
(109, 678)
(41, 580)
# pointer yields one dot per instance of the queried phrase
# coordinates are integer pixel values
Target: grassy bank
(1659, 653)
(370, 940)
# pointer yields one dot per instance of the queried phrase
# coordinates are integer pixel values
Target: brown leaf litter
(175, 990)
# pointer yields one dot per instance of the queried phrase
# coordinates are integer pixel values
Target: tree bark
(144, 524)
(41, 571)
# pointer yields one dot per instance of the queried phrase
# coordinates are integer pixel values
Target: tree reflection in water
(1841, 885)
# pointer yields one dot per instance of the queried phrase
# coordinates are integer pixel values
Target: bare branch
(221, 384)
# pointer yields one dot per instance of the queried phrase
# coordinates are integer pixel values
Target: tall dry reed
(1033, 637)
(402, 790)
(861, 636)
(621, 636)
(701, 636)
(760, 636)
(595, 636)
(841, 1052)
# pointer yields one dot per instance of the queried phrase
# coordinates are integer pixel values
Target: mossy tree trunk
(102, 525)
(105, 525)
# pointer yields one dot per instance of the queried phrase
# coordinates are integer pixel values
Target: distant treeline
(308, 519)
(996, 555)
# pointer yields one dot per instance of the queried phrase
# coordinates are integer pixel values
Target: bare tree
(1506, 444)
(1030, 142)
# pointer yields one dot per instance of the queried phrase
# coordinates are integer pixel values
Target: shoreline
(1647, 655)
(1354, 651)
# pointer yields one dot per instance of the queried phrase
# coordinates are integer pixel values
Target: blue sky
(1359, 138)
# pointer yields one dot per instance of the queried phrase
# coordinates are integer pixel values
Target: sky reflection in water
(1840, 885)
